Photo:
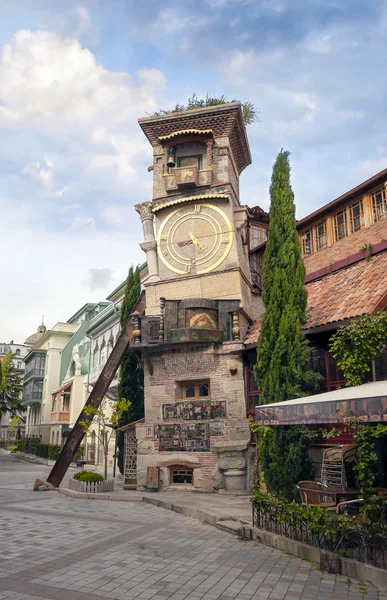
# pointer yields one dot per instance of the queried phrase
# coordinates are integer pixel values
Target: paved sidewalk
(56, 547)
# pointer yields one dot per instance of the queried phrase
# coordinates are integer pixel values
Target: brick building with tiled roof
(344, 246)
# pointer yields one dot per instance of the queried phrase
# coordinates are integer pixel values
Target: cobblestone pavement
(52, 546)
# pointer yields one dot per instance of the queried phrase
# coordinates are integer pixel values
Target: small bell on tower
(171, 159)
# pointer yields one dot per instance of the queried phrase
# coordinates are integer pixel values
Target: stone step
(234, 527)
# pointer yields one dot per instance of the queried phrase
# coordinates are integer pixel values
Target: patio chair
(351, 509)
(312, 494)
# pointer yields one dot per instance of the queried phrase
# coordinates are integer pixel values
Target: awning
(367, 401)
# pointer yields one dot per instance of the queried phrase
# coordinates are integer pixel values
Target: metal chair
(312, 494)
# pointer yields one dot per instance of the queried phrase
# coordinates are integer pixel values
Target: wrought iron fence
(365, 542)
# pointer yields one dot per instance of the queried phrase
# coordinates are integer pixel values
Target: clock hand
(185, 243)
(199, 246)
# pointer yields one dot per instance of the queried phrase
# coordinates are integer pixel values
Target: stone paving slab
(56, 547)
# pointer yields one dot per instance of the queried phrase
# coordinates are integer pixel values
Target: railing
(36, 372)
(60, 417)
(365, 542)
(93, 487)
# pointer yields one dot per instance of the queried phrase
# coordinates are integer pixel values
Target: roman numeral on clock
(196, 208)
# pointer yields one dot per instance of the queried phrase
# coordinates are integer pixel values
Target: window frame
(336, 216)
(196, 385)
(382, 191)
(305, 242)
(360, 203)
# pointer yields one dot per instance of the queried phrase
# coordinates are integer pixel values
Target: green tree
(11, 387)
(355, 345)
(283, 352)
(131, 378)
(105, 418)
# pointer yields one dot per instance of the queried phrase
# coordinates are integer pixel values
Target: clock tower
(199, 301)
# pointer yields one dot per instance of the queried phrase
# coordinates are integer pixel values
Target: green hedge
(54, 451)
(88, 476)
(32, 445)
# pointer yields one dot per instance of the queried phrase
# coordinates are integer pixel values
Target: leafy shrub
(21, 445)
(31, 445)
(42, 451)
(88, 476)
(80, 453)
(12, 449)
(54, 451)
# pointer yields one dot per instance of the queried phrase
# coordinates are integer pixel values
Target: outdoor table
(337, 492)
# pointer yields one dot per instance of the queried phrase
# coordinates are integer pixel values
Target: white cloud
(86, 29)
(49, 77)
(116, 215)
(83, 225)
(60, 281)
(99, 279)
(39, 171)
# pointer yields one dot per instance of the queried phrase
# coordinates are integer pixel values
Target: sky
(75, 77)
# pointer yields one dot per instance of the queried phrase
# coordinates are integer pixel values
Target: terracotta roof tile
(253, 332)
(350, 292)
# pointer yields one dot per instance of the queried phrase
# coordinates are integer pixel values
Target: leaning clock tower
(199, 301)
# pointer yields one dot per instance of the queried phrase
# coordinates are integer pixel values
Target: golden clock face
(195, 239)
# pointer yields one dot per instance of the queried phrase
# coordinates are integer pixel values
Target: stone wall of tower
(224, 370)
(220, 455)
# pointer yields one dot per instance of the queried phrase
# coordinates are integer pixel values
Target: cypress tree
(283, 353)
(11, 387)
(131, 378)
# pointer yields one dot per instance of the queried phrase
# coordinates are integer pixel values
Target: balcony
(35, 372)
(60, 417)
(30, 398)
(187, 177)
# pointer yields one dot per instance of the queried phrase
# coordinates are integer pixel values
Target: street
(53, 546)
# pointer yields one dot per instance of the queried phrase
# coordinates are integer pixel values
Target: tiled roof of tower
(351, 292)
(222, 119)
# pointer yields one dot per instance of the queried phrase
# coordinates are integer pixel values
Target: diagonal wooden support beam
(94, 400)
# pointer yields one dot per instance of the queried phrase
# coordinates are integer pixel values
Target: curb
(97, 496)
(226, 523)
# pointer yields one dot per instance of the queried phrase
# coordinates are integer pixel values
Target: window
(252, 392)
(19, 365)
(72, 369)
(17, 351)
(190, 161)
(321, 235)
(95, 356)
(379, 204)
(307, 242)
(322, 362)
(258, 235)
(256, 265)
(102, 355)
(181, 475)
(197, 390)
(66, 401)
(357, 216)
(341, 229)
(110, 346)
(54, 405)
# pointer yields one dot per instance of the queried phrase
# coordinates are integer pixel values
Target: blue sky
(75, 77)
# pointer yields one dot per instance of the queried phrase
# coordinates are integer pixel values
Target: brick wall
(346, 247)
(170, 369)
